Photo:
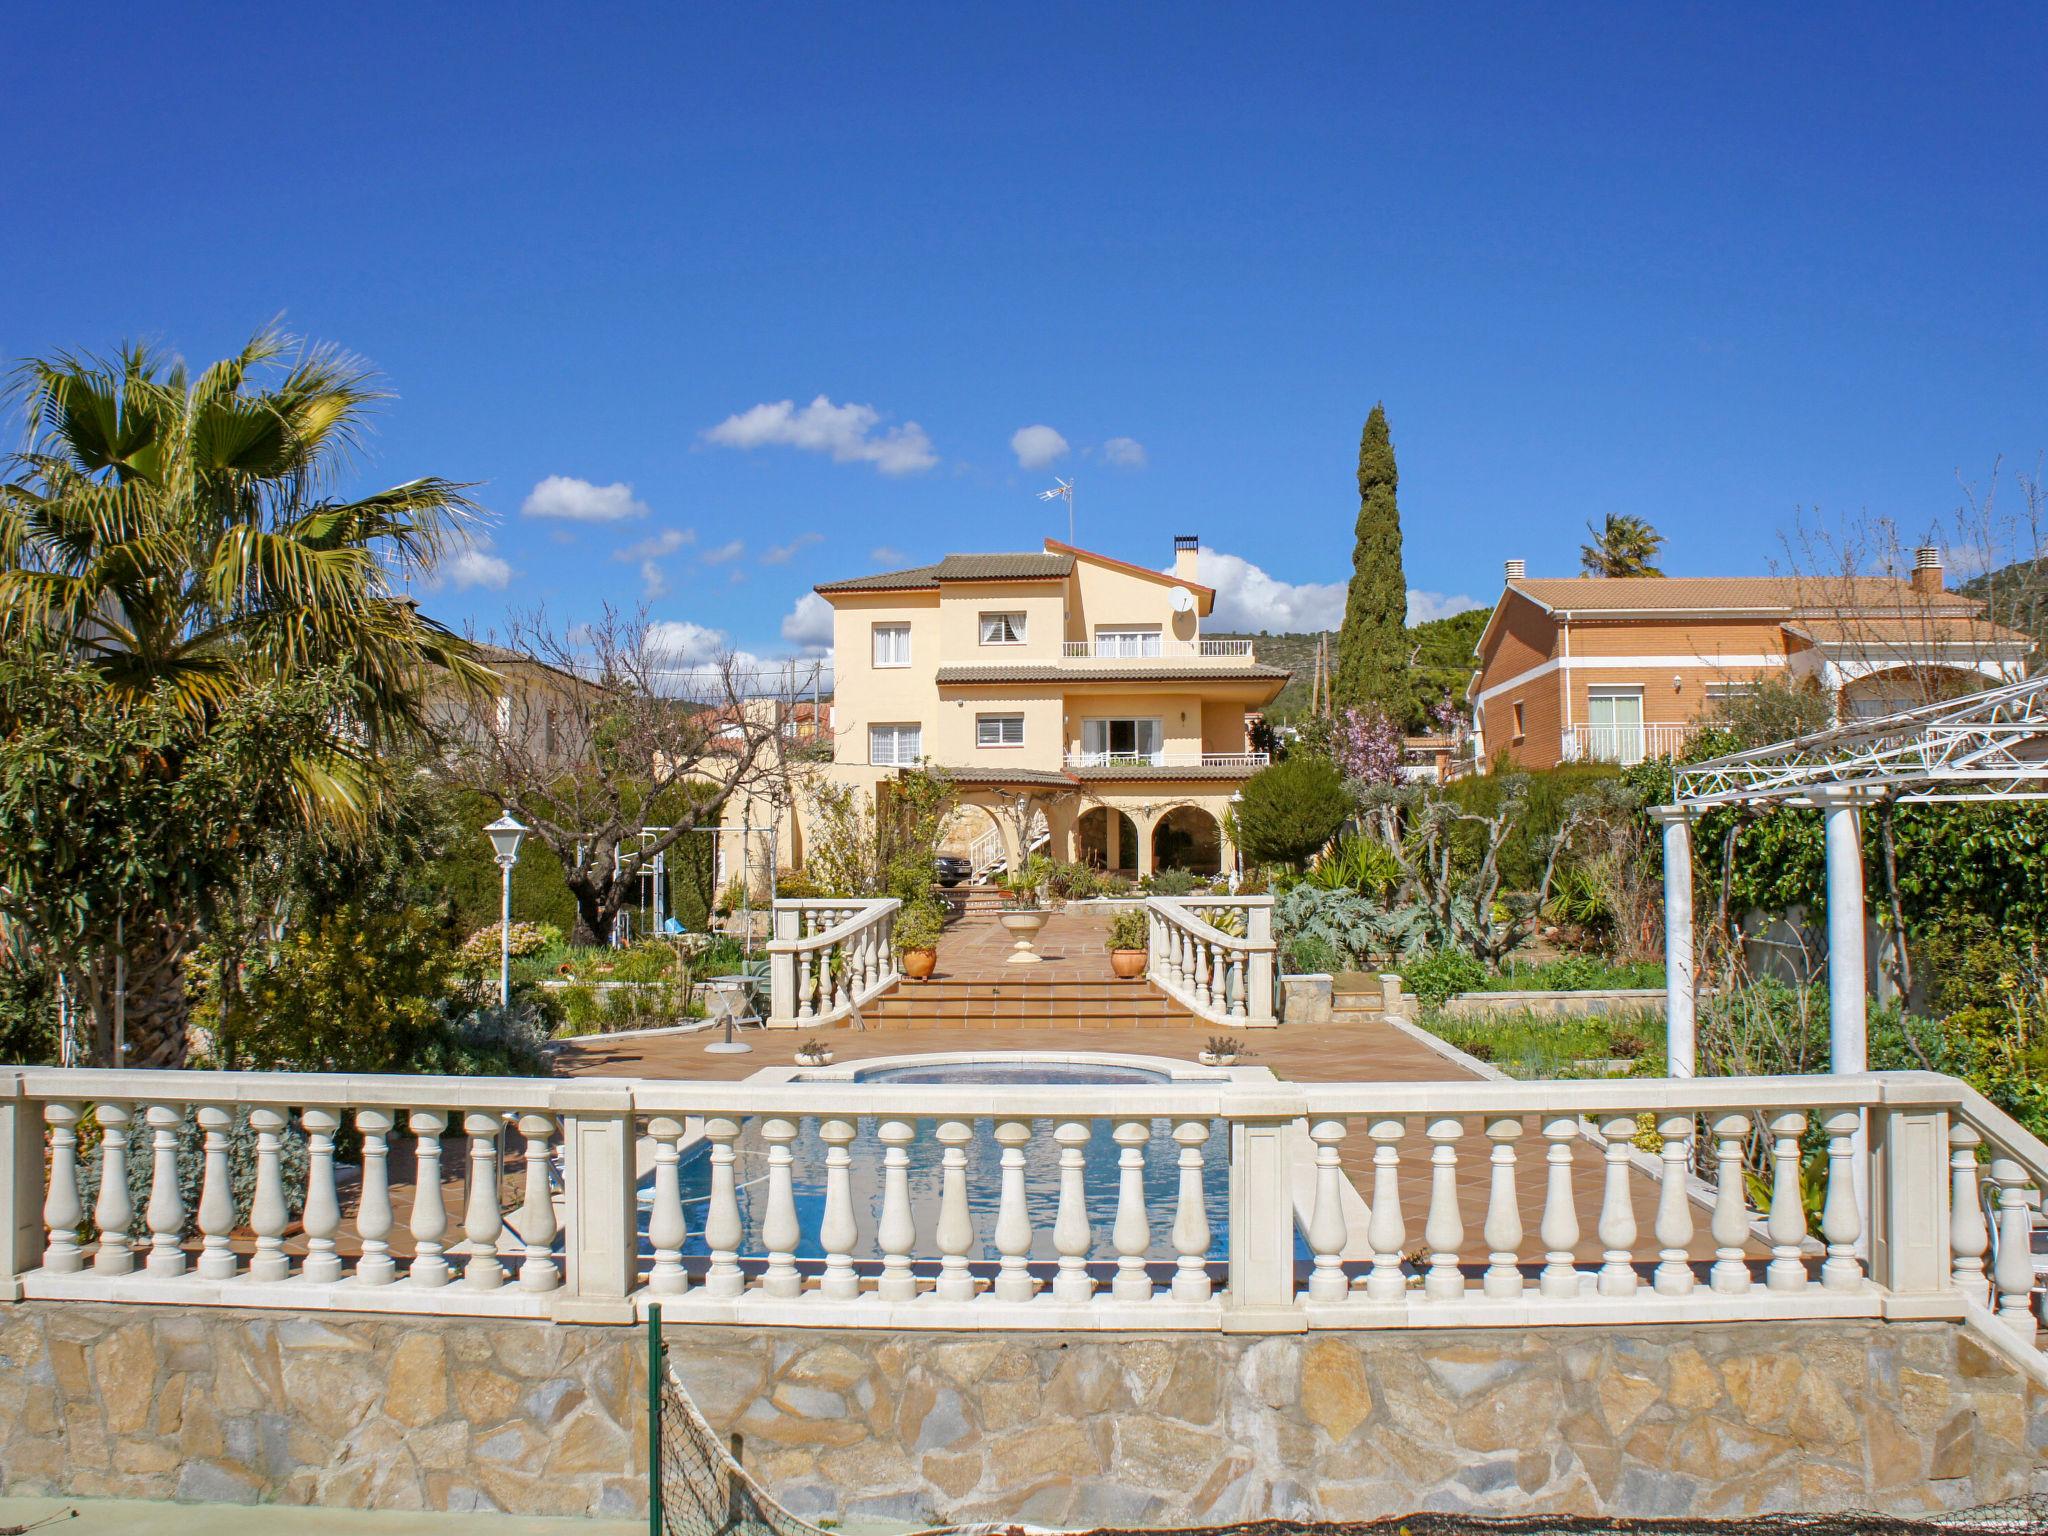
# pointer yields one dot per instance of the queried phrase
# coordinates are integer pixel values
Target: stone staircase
(965, 1002)
(972, 902)
(1357, 999)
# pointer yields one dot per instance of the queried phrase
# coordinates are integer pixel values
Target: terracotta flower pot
(1129, 964)
(918, 964)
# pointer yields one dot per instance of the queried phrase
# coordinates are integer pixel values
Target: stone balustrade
(1224, 977)
(602, 1223)
(829, 958)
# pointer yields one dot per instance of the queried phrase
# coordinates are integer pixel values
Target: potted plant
(814, 1053)
(1129, 944)
(1222, 1051)
(917, 939)
(1026, 914)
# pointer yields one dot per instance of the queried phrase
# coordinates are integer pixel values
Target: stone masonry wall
(409, 1413)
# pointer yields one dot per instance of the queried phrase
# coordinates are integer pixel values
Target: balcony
(1154, 648)
(1626, 744)
(1237, 762)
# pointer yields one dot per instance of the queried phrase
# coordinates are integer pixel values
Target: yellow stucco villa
(1071, 697)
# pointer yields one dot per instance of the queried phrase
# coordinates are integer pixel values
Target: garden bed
(1529, 1046)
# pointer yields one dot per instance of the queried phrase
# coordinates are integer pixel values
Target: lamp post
(505, 834)
(1236, 852)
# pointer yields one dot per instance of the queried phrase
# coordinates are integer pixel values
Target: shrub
(1291, 810)
(1172, 882)
(1074, 882)
(1442, 973)
(1310, 954)
(480, 950)
(1357, 863)
(1359, 933)
(919, 926)
(1129, 930)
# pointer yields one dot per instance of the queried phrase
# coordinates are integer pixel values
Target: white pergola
(1989, 746)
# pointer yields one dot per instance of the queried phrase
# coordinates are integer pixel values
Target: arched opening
(1106, 839)
(974, 836)
(1899, 688)
(1188, 838)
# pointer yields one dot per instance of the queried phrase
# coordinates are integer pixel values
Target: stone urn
(1024, 923)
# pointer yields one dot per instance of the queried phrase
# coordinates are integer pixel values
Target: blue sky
(1702, 265)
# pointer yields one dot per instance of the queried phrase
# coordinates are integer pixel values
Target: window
(999, 730)
(1002, 629)
(1614, 725)
(895, 746)
(1127, 642)
(892, 645)
(1520, 729)
(1122, 741)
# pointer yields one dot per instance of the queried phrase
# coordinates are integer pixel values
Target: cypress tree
(1372, 650)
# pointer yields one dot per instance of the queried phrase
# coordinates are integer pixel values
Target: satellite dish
(1182, 600)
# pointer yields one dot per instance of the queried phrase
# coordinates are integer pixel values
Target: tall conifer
(1372, 650)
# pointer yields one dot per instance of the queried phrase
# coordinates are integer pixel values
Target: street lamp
(505, 834)
(1236, 849)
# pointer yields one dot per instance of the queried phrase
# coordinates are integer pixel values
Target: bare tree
(610, 751)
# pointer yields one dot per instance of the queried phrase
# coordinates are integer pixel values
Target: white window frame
(1617, 741)
(1137, 641)
(1002, 723)
(886, 745)
(993, 626)
(1102, 751)
(891, 631)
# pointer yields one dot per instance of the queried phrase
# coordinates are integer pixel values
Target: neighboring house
(1070, 697)
(538, 705)
(1616, 669)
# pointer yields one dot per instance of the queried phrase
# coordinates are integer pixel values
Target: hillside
(1443, 661)
(2015, 595)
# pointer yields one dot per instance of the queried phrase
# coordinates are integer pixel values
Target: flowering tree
(1367, 746)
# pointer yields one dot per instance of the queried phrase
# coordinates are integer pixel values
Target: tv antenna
(1062, 490)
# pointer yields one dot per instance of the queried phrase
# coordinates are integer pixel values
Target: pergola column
(1681, 1045)
(1848, 973)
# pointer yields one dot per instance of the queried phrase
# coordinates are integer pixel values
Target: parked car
(950, 869)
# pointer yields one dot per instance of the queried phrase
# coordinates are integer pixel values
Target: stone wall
(1200, 1429)
(408, 1413)
(389, 1413)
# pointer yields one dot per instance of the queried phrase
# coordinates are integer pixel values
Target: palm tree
(182, 538)
(1622, 546)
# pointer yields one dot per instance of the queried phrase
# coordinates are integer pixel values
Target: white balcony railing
(1169, 648)
(1626, 744)
(1250, 762)
(829, 958)
(712, 1197)
(1215, 955)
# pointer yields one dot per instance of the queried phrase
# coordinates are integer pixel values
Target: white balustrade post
(956, 1226)
(1190, 1218)
(1260, 986)
(1617, 1229)
(63, 1206)
(1503, 1280)
(537, 1226)
(1841, 1217)
(268, 1213)
(1969, 1238)
(1674, 1276)
(1013, 1215)
(483, 1217)
(373, 1205)
(1559, 1230)
(1786, 1224)
(165, 1213)
(836, 1232)
(217, 1194)
(1327, 1232)
(113, 1210)
(1385, 1231)
(780, 1232)
(1681, 1049)
(2012, 1272)
(1132, 1233)
(722, 1227)
(1443, 1231)
(1730, 1225)
(1071, 1237)
(787, 925)
(321, 1216)
(1909, 1222)
(21, 1185)
(896, 1233)
(429, 1212)
(600, 1201)
(667, 1231)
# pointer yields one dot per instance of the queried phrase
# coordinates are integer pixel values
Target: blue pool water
(1041, 1172)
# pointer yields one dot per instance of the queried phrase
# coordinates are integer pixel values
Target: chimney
(1517, 569)
(1928, 576)
(1187, 558)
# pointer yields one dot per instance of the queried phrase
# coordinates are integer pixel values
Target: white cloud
(809, 623)
(653, 579)
(850, 433)
(473, 565)
(1124, 453)
(579, 501)
(688, 659)
(782, 554)
(1249, 599)
(724, 553)
(883, 554)
(1037, 446)
(1424, 606)
(666, 542)
(678, 642)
